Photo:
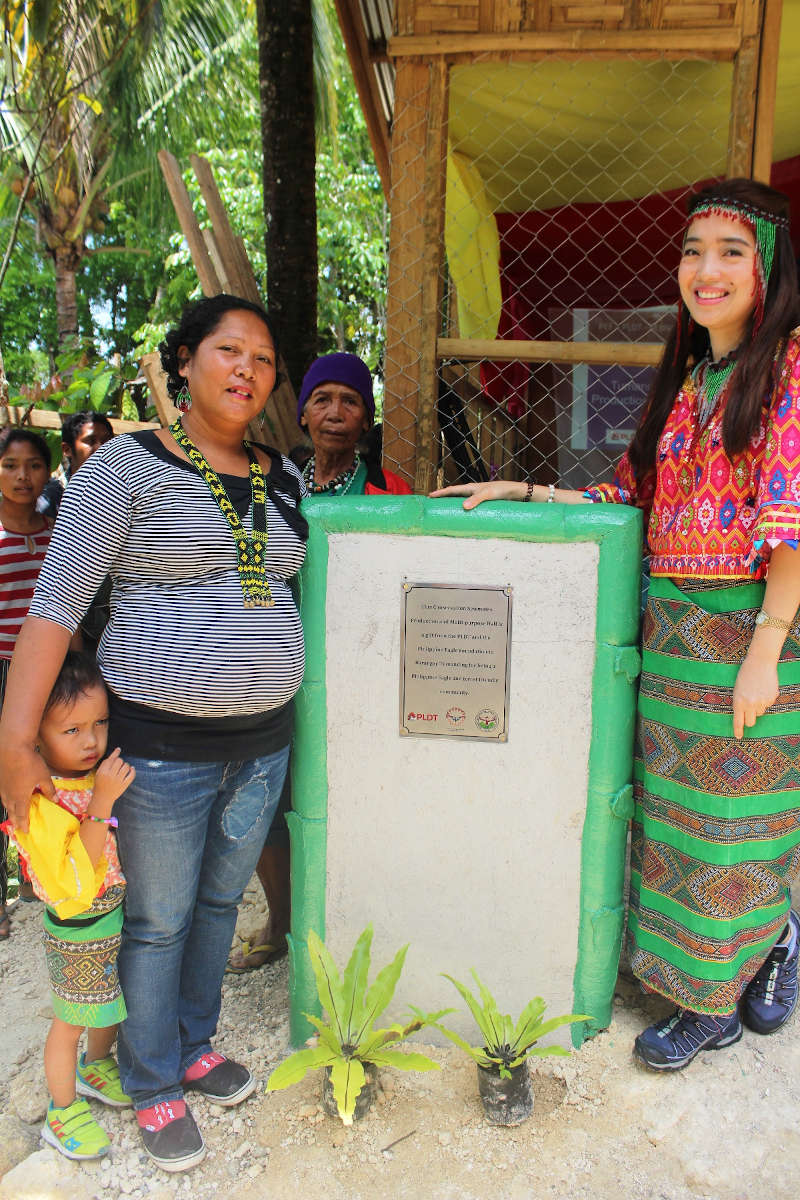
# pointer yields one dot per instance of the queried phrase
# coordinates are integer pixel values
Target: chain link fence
(565, 197)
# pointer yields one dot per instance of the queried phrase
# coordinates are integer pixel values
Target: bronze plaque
(455, 658)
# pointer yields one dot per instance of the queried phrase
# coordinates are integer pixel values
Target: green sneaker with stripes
(99, 1080)
(74, 1132)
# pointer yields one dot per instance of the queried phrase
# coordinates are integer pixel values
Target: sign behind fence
(455, 660)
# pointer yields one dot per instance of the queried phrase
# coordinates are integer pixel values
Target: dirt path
(725, 1129)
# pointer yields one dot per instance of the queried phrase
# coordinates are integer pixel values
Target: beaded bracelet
(528, 492)
(110, 821)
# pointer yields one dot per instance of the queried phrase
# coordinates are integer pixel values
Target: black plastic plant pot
(506, 1101)
(364, 1099)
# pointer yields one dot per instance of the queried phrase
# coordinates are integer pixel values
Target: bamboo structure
(402, 56)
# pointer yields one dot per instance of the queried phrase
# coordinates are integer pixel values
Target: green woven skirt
(716, 827)
(82, 964)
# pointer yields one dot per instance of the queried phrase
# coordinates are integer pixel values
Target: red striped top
(21, 557)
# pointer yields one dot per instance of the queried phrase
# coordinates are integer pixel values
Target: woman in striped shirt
(24, 535)
(200, 533)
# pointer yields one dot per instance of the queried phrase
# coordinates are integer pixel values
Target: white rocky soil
(727, 1128)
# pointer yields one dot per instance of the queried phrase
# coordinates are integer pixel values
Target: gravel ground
(725, 1129)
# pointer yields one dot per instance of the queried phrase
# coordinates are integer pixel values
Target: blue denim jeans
(190, 835)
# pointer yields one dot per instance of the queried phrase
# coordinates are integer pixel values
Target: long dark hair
(754, 375)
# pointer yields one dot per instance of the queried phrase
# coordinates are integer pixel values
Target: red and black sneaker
(170, 1135)
(219, 1079)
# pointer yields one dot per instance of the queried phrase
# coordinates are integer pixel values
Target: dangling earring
(183, 400)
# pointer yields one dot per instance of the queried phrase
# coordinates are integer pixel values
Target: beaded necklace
(250, 550)
(713, 376)
(341, 483)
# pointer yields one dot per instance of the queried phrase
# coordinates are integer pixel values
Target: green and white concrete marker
(506, 857)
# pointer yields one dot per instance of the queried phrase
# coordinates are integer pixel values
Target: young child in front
(71, 853)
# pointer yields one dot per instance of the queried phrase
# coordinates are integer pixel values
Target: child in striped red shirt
(24, 537)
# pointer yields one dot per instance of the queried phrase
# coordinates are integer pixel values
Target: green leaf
(493, 1015)
(473, 1005)
(326, 1033)
(528, 1020)
(545, 1052)
(297, 1065)
(381, 992)
(347, 1077)
(100, 388)
(355, 984)
(413, 1061)
(329, 986)
(554, 1023)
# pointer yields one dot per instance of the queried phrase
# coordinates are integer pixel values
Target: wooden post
(415, 251)
(150, 365)
(744, 91)
(767, 88)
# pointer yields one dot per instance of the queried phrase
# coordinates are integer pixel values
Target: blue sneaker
(673, 1043)
(771, 996)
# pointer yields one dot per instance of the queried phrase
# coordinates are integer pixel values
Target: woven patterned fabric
(711, 516)
(82, 965)
(716, 828)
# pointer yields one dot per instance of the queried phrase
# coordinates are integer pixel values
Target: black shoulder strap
(278, 480)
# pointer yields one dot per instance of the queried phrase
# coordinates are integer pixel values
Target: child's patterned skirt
(82, 964)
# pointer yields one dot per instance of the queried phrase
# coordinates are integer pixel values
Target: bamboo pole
(46, 418)
(722, 42)
(632, 354)
(181, 201)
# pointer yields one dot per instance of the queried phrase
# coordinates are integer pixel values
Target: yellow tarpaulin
(537, 135)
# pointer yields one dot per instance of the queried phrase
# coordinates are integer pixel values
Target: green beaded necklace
(250, 550)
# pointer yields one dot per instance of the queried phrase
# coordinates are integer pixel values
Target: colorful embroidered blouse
(709, 516)
(60, 869)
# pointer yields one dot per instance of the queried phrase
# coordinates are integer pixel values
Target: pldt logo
(422, 716)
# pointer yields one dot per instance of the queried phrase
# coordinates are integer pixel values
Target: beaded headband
(763, 226)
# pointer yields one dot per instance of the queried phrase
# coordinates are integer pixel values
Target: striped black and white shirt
(179, 638)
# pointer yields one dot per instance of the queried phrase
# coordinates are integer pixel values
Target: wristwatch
(764, 618)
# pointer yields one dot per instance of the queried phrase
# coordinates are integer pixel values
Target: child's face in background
(73, 737)
(23, 473)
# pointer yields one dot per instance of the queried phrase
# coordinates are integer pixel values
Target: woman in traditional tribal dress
(715, 465)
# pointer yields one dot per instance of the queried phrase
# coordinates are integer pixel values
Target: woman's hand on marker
(476, 493)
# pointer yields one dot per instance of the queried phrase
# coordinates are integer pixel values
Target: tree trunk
(286, 88)
(66, 265)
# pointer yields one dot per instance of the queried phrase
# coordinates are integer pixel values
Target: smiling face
(335, 416)
(232, 371)
(717, 279)
(91, 436)
(73, 736)
(23, 473)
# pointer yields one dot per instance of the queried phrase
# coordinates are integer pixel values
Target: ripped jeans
(190, 835)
